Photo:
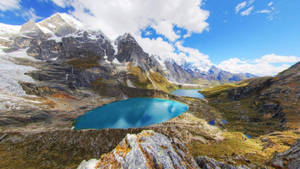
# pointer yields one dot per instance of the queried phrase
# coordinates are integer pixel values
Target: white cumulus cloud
(272, 58)
(30, 14)
(115, 17)
(246, 8)
(266, 11)
(247, 11)
(240, 6)
(166, 28)
(270, 3)
(62, 3)
(270, 64)
(181, 54)
(9, 4)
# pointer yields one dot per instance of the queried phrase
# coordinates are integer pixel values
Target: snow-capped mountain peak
(60, 24)
(29, 26)
(179, 68)
(61, 19)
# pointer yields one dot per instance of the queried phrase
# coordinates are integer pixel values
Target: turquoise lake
(189, 93)
(131, 113)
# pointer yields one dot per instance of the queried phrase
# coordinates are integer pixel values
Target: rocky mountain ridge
(269, 101)
(267, 108)
(50, 32)
(61, 54)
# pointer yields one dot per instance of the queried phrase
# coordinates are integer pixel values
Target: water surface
(130, 113)
(189, 93)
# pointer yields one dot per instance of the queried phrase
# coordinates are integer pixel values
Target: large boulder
(147, 149)
(150, 149)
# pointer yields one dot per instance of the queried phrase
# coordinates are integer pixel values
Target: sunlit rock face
(147, 149)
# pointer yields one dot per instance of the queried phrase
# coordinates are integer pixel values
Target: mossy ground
(243, 118)
(162, 83)
(105, 87)
(213, 91)
(279, 141)
(85, 63)
(204, 82)
(58, 149)
(255, 150)
(242, 115)
(234, 143)
(140, 79)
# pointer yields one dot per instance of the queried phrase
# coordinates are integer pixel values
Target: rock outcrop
(130, 51)
(209, 163)
(288, 159)
(147, 149)
(150, 149)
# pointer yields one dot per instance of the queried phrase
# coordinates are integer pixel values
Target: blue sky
(252, 36)
(256, 36)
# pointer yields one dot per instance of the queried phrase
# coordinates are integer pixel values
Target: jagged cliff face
(130, 51)
(61, 40)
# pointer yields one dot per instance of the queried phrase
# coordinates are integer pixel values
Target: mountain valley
(56, 70)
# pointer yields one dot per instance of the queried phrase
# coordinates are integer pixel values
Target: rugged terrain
(56, 70)
(265, 108)
(57, 65)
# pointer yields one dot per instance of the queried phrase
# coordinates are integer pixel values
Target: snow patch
(153, 83)
(70, 20)
(185, 84)
(57, 39)
(21, 53)
(9, 29)
(45, 30)
(129, 83)
(115, 47)
(91, 164)
(116, 61)
(51, 26)
(11, 73)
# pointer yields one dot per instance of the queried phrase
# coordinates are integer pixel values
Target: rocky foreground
(149, 149)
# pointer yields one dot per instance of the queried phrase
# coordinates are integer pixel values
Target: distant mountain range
(62, 37)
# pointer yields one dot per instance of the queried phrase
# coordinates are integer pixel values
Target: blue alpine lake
(130, 113)
(189, 93)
